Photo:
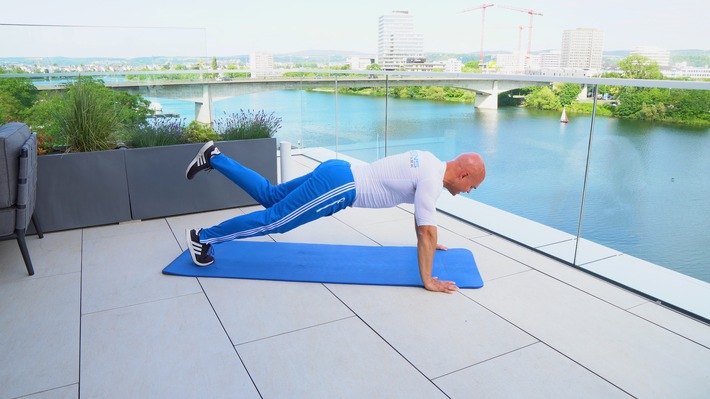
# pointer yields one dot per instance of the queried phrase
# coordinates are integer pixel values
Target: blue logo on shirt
(413, 159)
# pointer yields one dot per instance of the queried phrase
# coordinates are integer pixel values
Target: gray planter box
(158, 187)
(82, 189)
(78, 190)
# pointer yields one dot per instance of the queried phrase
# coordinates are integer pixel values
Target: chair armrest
(26, 182)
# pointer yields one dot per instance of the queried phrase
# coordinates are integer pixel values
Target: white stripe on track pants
(328, 189)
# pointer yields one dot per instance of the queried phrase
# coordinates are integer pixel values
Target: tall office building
(550, 59)
(261, 64)
(582, 48)
(398, 44)
(658, 55)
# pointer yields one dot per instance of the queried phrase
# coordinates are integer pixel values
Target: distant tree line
(653, 104)
(20, 100)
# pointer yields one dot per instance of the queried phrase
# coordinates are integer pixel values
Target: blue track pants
(328, 189)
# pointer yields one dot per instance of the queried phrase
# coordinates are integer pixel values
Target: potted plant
(156, 174)
(98, 178)
(83, 182)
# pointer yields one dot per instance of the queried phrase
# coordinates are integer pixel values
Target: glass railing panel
(535, 163)
(64, 51)
(648, 187)
(417, 120)
(270, 102)
(361, 115)
(318, 111)
(121, 57)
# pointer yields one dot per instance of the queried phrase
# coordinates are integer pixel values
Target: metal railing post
(586, 174)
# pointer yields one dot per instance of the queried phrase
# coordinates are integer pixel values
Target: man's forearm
(426, 246)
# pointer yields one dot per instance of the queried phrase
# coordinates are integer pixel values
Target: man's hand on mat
(436, 285)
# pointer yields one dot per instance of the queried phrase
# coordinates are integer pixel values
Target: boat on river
(563, 118)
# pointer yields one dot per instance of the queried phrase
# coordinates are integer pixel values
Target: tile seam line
(588, 272)
(488, 359)
(81, 311)
(558, 279)
(131, 305)
(551, 347)
(37, 278)
(231, 342)
(293, 331)
(389, 343)
(29, 395)
(619, 307)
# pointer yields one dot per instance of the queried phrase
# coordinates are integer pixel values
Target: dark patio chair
(18, 183)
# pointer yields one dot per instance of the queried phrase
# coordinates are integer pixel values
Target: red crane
(531, 13)
(483, 24)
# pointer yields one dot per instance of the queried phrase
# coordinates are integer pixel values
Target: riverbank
(428, 93)
(635, 106)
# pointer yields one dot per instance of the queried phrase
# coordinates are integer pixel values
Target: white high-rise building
(510, 63)
(453, 65)
(659, 55)
(582, 48)
(397, 41)
(261, 64)
(550, 59)
(360, 63)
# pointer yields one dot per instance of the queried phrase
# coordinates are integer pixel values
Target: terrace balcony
(98, 319)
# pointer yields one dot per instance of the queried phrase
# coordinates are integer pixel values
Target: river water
(648, 184)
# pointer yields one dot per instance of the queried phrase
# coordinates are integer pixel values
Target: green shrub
(248, 125)
(543, 98)
(586, 108)
(568, 93)
(158, 132)
(17, 96)
(198, 132)
(88, 117)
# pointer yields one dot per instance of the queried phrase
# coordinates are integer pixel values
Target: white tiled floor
(99, 320)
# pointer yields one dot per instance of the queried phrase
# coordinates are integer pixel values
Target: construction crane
(531, 13)
(519, 58)
(483, 24)
(520, 42)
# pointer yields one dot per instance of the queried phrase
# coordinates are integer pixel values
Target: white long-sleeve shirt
(414, 177)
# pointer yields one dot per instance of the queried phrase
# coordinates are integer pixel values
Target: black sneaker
(201, 161)
(201, 253)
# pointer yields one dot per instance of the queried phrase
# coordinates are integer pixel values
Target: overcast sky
(133, 28)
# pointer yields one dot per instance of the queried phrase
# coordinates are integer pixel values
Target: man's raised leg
(256, 185)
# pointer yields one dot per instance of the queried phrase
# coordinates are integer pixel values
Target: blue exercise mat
(325, 263)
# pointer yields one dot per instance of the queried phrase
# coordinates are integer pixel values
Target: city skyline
(134, 29)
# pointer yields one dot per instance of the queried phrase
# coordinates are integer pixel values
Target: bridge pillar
(486, 100)
(203, 110)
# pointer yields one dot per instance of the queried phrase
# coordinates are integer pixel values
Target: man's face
(465, 183)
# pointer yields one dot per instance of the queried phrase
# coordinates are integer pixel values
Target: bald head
(473, 163)
(464, 173)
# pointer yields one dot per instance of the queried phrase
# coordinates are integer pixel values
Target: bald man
(414, 177)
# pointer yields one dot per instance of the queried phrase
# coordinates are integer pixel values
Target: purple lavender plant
(159, 132)
(247, 124)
